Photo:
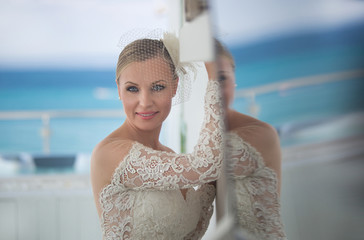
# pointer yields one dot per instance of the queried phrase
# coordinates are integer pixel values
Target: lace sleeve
(148, 168)
(257, 199)
(207, 197)
(116, 213)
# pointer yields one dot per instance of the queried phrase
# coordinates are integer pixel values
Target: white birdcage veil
(186, 72)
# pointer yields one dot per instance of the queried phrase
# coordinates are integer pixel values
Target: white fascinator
(186, 71)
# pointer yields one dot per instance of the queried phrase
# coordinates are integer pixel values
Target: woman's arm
(258, 140)
(254, 156)
(148, 168)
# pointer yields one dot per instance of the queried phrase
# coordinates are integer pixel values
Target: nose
(145, 99)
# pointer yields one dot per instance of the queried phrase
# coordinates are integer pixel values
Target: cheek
(167, 109)
(165, 102)
(127, 102)
(166, 95)
(231, 91)
(228, 94)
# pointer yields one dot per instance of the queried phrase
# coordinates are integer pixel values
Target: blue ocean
(272, 60)
(43, 90)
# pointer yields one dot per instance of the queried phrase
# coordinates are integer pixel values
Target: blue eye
(222, 77)
(132, 89)
(158, 87)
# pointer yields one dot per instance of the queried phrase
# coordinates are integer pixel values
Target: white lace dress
(257, 199)
(144, 201)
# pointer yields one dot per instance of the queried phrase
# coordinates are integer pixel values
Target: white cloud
(86, 32)
(246, 21)
(46, 31)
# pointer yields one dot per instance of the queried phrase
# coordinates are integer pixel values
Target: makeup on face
(146, 91)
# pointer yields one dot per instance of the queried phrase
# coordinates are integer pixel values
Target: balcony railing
(249, 93)
(46, 116)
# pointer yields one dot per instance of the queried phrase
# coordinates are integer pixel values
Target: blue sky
(85, 33)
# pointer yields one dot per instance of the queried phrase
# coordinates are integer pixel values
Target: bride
(254, 159)
(142, 189)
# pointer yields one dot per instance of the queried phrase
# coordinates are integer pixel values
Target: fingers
(211, 70)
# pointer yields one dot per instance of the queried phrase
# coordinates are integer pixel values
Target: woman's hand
(211, 70)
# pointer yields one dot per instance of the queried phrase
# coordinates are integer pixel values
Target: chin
(149, 126)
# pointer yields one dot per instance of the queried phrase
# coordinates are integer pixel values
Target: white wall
(50, 208)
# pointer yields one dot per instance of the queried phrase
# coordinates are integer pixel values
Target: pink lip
(146, 115)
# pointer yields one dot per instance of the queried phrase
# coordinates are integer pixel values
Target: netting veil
(140, 45)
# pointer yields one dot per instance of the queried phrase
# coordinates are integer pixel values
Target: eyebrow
(129, 82)
(159, 81)
(226, 72)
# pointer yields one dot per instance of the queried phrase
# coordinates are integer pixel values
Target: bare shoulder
(105, 158)
(107, 155)
(252, 128)
(261, 135)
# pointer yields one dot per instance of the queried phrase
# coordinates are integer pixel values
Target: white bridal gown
(144, 201)
(255, 187)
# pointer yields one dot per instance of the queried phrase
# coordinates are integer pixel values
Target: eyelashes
(154, 88)
(158, 87)
(222, 77)
(132, 89)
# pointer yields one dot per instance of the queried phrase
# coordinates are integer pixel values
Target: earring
(119, 98)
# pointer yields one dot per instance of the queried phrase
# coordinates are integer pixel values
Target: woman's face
(227, 78)
(146, 89)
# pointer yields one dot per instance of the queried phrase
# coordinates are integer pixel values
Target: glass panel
(299, 66)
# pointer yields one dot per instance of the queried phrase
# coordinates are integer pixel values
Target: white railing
(46, 116)
(21, 115)
(251, 93)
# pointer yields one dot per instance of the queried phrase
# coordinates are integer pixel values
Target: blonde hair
(142, 50)
(221, 50)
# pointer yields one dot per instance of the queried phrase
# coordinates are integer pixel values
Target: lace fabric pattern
(145, 170)
(207, 197)
(257, 199)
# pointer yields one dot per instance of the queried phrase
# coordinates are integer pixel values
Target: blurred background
(299, 67)
(58, 99)
(61, 56)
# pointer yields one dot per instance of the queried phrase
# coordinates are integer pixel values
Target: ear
(175, 86)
